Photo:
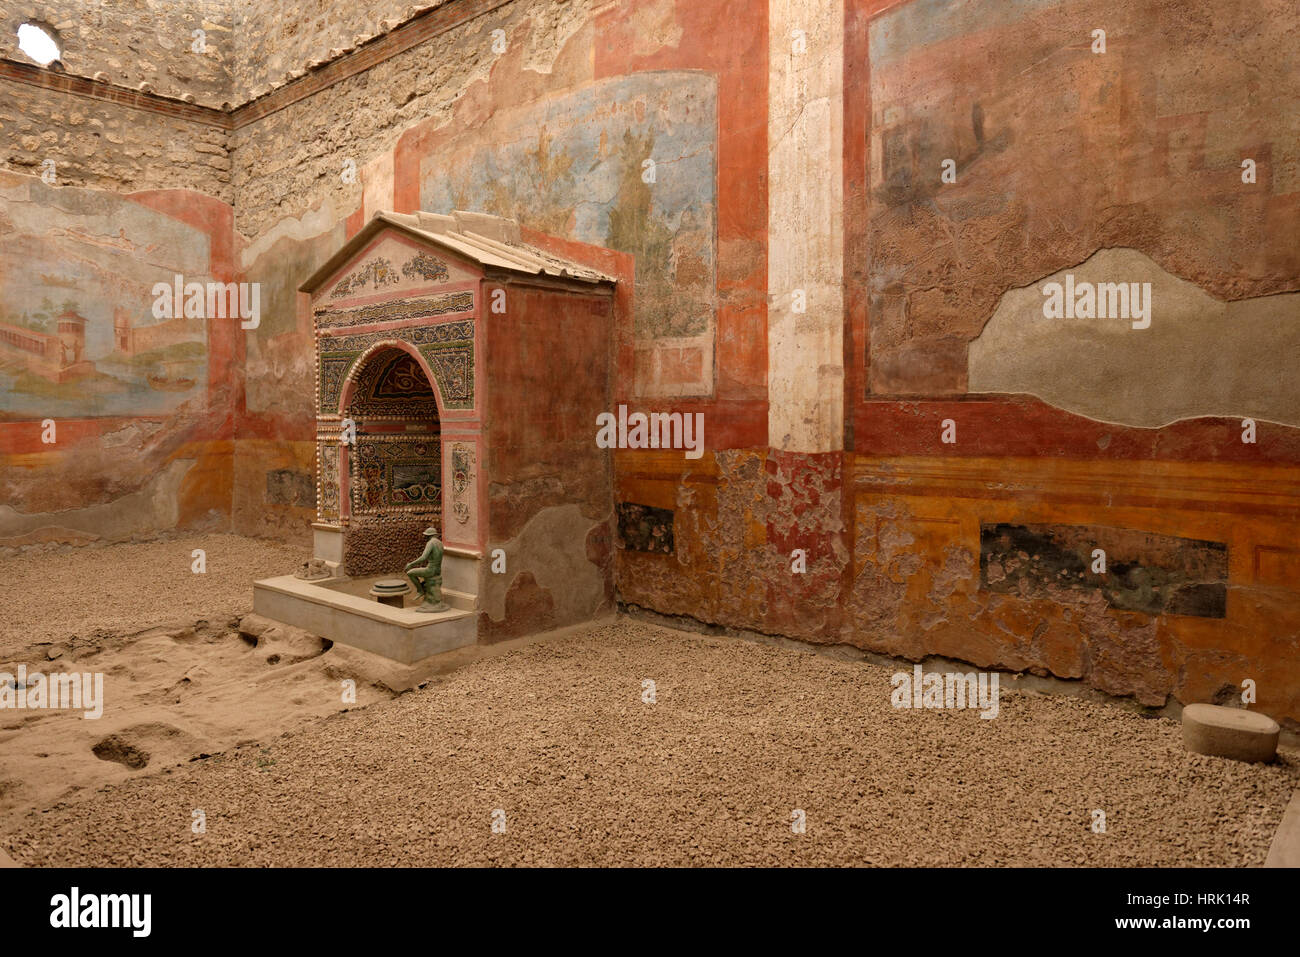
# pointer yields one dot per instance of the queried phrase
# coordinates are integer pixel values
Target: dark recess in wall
(1145, 572)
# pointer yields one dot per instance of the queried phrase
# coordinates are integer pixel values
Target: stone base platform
(341, 610)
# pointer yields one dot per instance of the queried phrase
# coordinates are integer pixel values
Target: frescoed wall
(95, 258)
(554, 131)
(1121, 167)
(628, 163)
(274, 411)
(113, 414)
(881, 392)
(1061, 151)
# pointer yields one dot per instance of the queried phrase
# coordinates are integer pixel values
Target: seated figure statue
(425, 573)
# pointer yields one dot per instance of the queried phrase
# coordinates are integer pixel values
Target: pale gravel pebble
(557, 736)
(56, 594)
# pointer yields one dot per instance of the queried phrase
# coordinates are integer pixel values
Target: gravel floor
(56, 594)
(557, 737)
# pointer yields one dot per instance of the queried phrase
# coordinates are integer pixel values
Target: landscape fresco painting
(78, 337)
(576, 166)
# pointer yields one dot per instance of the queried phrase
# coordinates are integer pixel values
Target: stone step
(342, 611)
(1230, 732)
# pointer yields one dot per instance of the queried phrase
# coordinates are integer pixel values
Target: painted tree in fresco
(530, 191)
(42, 320)
(576, 170)
(673, 291)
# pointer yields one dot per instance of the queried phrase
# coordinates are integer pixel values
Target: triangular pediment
(397, 252)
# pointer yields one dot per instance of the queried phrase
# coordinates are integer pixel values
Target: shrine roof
(489, 241)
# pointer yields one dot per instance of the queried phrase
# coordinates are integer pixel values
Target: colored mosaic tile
(422, 308)
(399, 473)
(424, 266)
(447, 346)
(377, 272)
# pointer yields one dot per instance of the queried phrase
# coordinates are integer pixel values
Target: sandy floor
(179, 680)
(53, 596)
(557, 737)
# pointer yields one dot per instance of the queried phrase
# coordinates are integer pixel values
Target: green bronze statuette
(425, 573)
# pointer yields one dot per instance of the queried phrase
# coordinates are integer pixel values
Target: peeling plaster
(153, 507)
(552, 547)
(1200, 356)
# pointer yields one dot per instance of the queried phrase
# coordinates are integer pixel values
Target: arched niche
(390, 472)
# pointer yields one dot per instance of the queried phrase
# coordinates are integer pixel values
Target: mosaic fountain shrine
(415, 316)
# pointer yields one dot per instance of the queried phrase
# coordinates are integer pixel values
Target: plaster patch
(552, 547)
(146, 511)
(1199, 356)
(324, 219)
(556, 24)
